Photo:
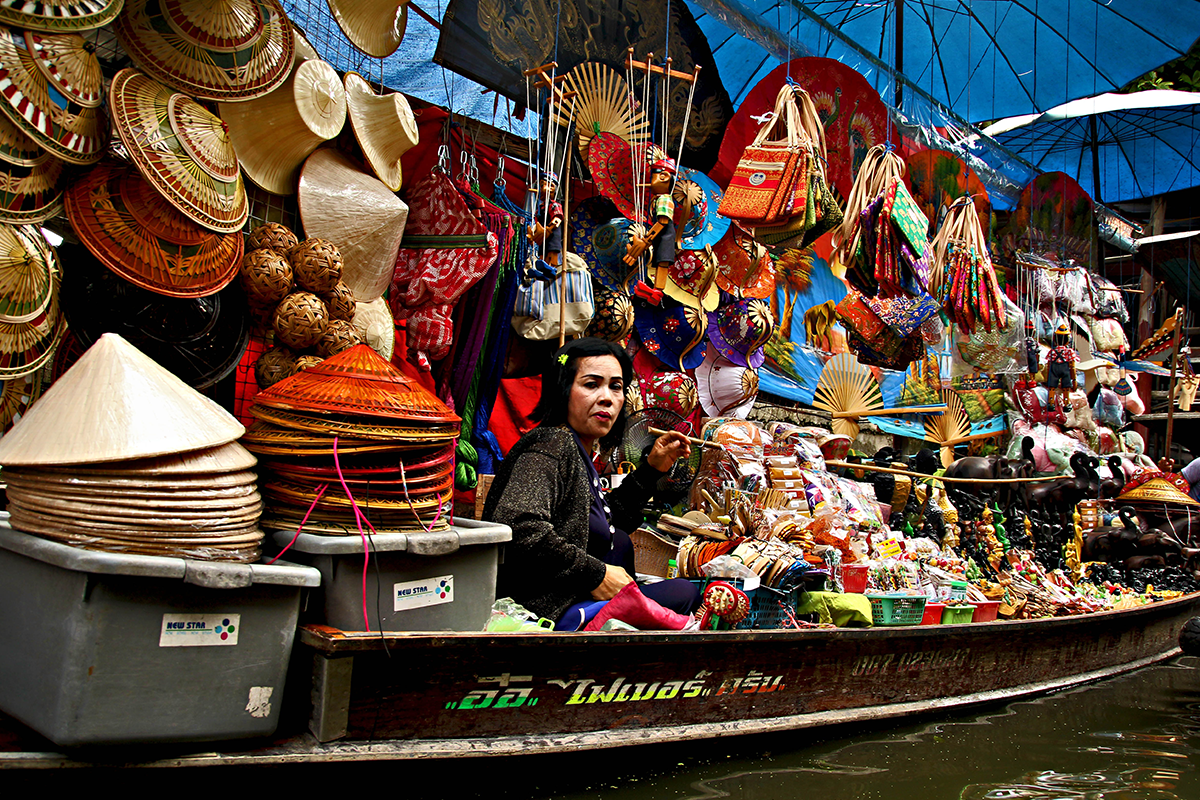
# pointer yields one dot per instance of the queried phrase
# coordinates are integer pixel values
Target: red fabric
(515, 401)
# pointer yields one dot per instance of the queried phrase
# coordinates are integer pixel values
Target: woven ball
(613, 319)
(317, 265)
(340, 302)
(340, 335)
(304, 362)
(273, 366)
(300, 319)
(273, 235)
(266, 277)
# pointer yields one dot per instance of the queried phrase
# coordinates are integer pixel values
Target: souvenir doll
(1060, 369)
(546, 230)
(661, 236)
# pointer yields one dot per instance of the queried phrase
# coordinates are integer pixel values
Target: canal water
(1134, 737)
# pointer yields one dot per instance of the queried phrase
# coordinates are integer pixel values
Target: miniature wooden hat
(355, 211)
(375, 27)
(136, 233)
(116, 404)
(384, 126)
(182, 149)
(53, 93)
(60, 16)
(357, 383)
(229, 51)
(273, 135)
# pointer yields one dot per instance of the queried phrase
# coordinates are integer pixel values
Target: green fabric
(843, 610)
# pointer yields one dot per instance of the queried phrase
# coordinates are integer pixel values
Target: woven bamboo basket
(273, 235)
(300, 320)
(266, 277)
(316, 265)
(651, 552)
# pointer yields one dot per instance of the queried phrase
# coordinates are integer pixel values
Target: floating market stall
(297, 320)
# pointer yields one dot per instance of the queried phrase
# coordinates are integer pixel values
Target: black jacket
(541, 491)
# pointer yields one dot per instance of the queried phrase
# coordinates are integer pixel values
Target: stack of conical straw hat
(354, 431)
(120, 455)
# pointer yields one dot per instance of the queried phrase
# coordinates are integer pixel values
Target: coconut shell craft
(60, 113)
(300, 320)
(137, 234)
(229, 51)
(182, 149)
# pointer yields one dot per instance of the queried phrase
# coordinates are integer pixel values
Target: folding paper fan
(182, 149)
(602, 106)
(59, 16)
(228, 51)
(42, 77)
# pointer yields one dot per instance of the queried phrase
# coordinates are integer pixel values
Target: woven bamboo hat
(60, 16)
(53, 93)
(116, 404)
(26, 347)
(1157, 489)
(384, 126)
(358, 383)
(275, 133)
(31, 179)
(377, 327)
(176, 469)
(725, 388)
(355, 211)
(183, 150)
(375, 27)
(228, 51)
(136, 233)
(27, 269)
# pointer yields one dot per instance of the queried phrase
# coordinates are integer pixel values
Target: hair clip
(562, 359)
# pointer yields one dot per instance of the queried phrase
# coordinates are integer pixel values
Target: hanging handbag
(575, 282)
(768, 168)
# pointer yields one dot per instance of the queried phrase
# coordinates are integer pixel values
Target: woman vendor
(570, 551)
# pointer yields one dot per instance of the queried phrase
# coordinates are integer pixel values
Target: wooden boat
(450, 695)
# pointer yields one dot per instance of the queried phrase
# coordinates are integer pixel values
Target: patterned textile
(440, 258)
(1063, 354)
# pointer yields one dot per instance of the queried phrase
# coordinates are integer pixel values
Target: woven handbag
(767, 170)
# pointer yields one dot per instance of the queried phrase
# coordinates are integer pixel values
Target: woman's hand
(615, 579)
(668, 449)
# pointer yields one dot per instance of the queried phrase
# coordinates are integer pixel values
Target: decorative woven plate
(137, 234)
(25, 347)
(361, 428)
(358, 382)
(229, 51)
(59, 16)
(415, 479)
(183, 150)
(72, 132)
(27, 267)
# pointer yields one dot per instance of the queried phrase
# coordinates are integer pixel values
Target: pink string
(359, 519)
(320, 491)
(413, 509)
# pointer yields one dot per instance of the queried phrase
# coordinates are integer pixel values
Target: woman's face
(596, 397)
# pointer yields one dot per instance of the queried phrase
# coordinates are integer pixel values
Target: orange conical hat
(357, 382)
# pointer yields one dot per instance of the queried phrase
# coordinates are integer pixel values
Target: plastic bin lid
(209, 574)
(462, 532)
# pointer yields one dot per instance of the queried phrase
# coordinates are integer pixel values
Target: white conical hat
(355, 211)
(384, 126)
(726, 389)
(116, 404)
(375, 27)
(375, 323)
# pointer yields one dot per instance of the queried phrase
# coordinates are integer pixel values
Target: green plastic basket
(891, 609)
(957, 615)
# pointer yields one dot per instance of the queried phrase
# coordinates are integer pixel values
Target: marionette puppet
(661, 237)
(1060, 370)
(546, 231)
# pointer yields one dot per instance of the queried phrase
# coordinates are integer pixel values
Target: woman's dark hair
(559, 377)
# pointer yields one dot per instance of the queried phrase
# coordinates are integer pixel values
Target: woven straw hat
(53, 93)
(27, 269)
(357, 382)
(183, 150)
(355, 211)
(275, 133)
(228, 51)
(175, 471)
(26, 347)
(384, 126)
(31, 194)
(60, 16)
(1156, 490)
(116, 404)
(725, 388)
(375, 27)
(376, 326)
(137, 234)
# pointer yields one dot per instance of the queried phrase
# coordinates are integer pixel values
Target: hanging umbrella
(1118, 146)
(983, 61)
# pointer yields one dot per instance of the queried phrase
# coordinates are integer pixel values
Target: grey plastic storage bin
(104, 648)
(443, 581)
